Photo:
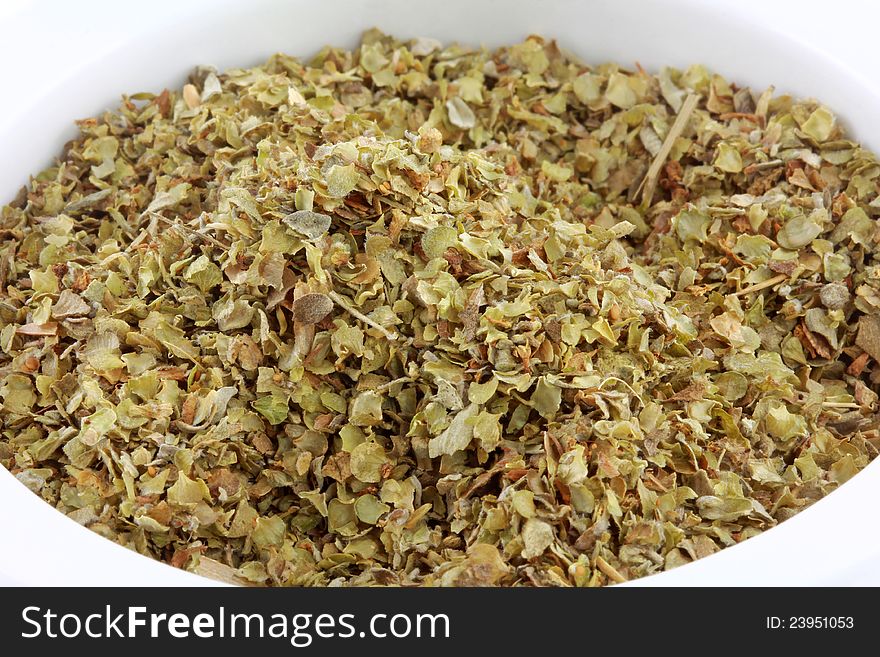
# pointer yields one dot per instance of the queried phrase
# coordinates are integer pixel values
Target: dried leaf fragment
(312, 308)
(311, 225)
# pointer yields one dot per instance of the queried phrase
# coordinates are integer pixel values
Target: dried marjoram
(414, 315)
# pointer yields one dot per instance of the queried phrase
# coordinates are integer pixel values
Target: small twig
(192, 231)
(626, 385)
(649, 182)
(769, 164)
(770, 282)
(343, 303)
(610, 571)
(213, 569)
(141, 236)
(391, 384)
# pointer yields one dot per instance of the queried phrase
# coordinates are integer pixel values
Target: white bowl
(67, 60)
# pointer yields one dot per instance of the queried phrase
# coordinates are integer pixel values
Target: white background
(42, 48)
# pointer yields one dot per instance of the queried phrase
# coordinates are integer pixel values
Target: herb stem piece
(610, 571)
(770, 282)
(649, 183)
(351, 310)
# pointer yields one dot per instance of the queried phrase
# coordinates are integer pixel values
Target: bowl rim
(89, 559)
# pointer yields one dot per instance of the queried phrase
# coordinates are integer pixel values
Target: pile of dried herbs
(414, 315)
